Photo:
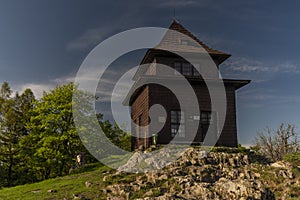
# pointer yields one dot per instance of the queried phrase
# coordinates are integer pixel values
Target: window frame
(186, 69)
(211, 119)
(206, 117)
(179, 122)
(177, 72)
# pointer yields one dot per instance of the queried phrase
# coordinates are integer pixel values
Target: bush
(293, 158)
(276, 144)
(242, 149)
(239, 149)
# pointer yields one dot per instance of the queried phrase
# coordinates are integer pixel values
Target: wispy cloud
(256, 70)
(240, 64)
(105, 85)
(64, 79)
(93, 36)
(38, 88)
(260, 97)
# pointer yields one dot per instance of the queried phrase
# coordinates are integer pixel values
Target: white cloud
(64, 79)
(104, 92)
(37, 88)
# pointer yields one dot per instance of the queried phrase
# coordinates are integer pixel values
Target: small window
(186, 69)
(208, 119)
(177, 123)
(178, 68)
(184, 42)
(205, 118)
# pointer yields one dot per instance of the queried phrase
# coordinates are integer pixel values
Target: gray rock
(195, 176)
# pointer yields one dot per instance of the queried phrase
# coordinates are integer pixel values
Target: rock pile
(195, 175)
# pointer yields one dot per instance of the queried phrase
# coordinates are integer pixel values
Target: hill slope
(225, 174)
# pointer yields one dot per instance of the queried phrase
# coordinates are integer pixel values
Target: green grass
(74, 183)
(116, 160)
(65, 187)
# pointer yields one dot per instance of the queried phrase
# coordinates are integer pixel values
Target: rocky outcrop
(151, 160)
(198, 175)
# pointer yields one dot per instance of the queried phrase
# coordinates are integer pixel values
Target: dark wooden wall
(156, 94)
(140, 107)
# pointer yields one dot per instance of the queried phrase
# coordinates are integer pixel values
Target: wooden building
(144, 97)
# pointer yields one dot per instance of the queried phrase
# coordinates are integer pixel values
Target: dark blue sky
(42, 43)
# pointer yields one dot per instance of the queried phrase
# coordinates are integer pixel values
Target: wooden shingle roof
(171, 42)
(176, 26)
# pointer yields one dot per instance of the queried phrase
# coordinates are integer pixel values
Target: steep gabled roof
(171, 41)
(176, 26)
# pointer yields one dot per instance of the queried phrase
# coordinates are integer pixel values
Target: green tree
(14, 113)
(115, 134)
(53, 142)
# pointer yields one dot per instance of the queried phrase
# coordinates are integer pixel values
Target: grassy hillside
(63, 187)
(188, 175)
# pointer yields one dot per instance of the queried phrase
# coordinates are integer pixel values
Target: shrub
(293, 158)
(276, 144)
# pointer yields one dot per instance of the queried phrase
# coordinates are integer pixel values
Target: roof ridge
(176, 26)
